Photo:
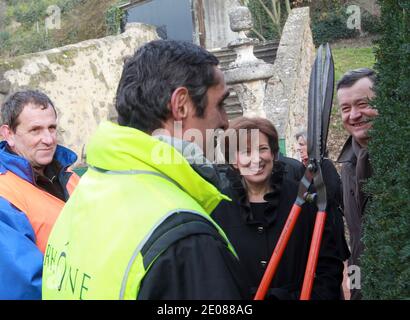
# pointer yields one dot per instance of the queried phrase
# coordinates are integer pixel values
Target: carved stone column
(247, 75)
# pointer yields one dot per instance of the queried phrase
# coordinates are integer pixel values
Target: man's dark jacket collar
(347, 154)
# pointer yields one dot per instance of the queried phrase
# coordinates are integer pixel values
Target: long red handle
(278, 252)
(313, 255)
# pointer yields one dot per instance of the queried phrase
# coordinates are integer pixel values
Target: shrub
(31, 35)
(24, 42)
(4, 36)
(30, 12)
(386, 258)
(114, 19)
(329, 21)
(330, 26)
(268, 16)
(370, 23)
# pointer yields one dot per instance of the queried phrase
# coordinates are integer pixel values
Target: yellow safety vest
(94, 250)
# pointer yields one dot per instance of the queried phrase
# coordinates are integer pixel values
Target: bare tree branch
(288, 9)
(268, 11)
(260, 36)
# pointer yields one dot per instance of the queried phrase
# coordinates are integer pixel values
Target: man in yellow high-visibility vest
(139, 225)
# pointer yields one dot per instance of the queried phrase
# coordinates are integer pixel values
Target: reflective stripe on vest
(40, 207)
(94, 250)
(137, 251)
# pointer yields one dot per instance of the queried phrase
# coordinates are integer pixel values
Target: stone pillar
(247, 75)
(216, 22)
(286, 94)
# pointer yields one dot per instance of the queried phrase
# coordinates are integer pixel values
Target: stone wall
(286, 95)
(81, 79)
(216, 20)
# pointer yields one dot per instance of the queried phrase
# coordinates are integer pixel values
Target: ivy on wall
(115, 19)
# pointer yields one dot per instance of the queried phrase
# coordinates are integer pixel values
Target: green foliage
(329, 23)
(386, 259)
(4, 37)
(371, 24)
(22, 42)
(260, 21)
(329, 19)
(114, 19)
(268, 16)
(31, 36)
(29, 12)
(67, 6)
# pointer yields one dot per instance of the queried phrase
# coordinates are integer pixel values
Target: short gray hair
(15, 103)
(301, 133)
(352, 76)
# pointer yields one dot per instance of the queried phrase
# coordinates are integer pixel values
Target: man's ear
(7, 134)
(179, 103)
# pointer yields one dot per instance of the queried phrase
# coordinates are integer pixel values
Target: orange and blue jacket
(27, 214)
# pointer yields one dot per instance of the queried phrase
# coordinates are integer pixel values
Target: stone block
(240, 19)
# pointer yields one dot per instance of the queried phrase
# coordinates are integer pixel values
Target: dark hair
(15, 103)
(352, 76)
(261, 124)
(150, 77)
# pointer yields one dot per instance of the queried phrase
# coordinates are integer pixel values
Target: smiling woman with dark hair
(262, 198)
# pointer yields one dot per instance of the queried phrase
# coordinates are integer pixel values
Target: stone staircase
(265, 51)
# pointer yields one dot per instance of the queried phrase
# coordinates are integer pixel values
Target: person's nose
(355, 113)
(48, 137)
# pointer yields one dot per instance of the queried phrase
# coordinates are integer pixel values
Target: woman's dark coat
(255, 240)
